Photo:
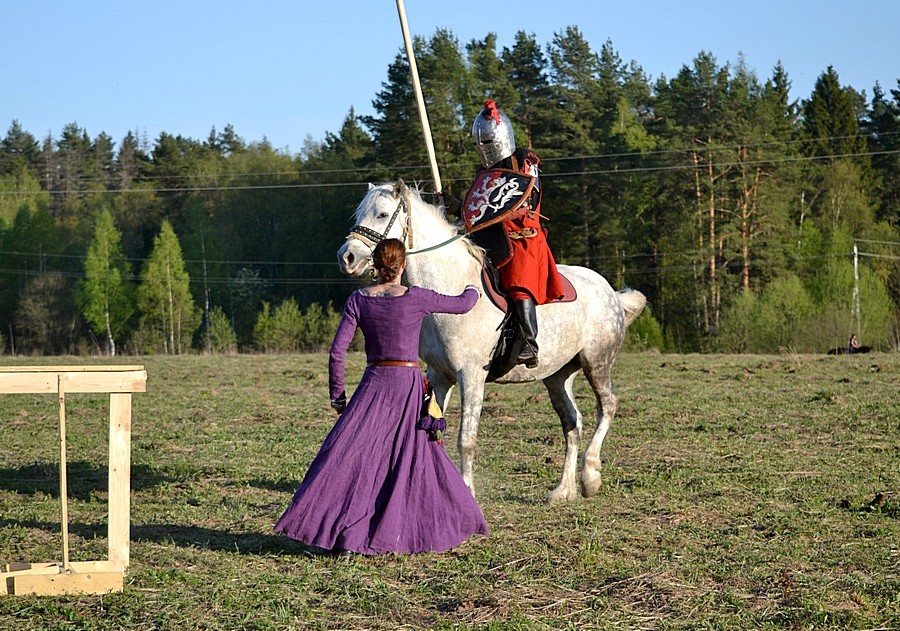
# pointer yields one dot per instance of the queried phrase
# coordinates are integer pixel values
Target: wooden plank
(87, 567)
(63, 479)
(56, 584)
(31, 568)
(80, 567)
(119, 479)
(78, 382)
(25, 567)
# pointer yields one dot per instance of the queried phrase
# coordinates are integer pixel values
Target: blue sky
(291, 70)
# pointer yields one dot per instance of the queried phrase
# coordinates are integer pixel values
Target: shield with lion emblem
(495, 196)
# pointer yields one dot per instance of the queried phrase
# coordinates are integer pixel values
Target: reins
(458, 236)
(372, 238)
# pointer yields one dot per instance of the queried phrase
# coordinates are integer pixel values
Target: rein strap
(372, 238)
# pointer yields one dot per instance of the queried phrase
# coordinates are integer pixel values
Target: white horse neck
(446, 269)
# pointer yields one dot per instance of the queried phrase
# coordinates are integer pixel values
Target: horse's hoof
(558, 496)
(590, 483)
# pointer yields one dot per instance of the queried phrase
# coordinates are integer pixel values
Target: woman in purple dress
(380, 483)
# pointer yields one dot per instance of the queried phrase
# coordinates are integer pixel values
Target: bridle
(372, 238)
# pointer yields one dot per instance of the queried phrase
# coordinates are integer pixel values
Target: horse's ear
(371, 186)
(399, 187)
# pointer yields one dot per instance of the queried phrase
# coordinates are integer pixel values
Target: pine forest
(752, 221)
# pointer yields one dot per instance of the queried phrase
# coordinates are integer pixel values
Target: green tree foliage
(830, 120)
(288, 330)
(105, 294)
(526, 69)
(395, 127)
(30, 246)
(832, 288)
(18, 150)
(883, 128)
(223, 339)
(713, 192)
(319, 326)
(45, 316)
(20, 190)
(781, 317)
(843, 201)
(735, 334)
(287, 327)
(264, 330)
(169, 317)
(644, 333)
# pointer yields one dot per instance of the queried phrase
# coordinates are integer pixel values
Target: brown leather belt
(394, 362)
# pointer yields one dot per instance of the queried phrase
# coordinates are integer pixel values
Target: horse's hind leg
(559, 386)
(598, 375)
(442, 385)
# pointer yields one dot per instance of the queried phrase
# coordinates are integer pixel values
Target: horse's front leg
(471, 395)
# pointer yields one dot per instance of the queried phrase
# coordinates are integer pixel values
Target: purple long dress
(378, 484)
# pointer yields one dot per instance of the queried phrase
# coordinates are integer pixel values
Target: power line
(302, 172)
(545, 176)
(196, 261)
(344, 280)
(600, 156)
(878, 242)
(880, 256)
(722, 165)
(216, 280)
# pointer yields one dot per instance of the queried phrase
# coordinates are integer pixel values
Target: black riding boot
(526, 312)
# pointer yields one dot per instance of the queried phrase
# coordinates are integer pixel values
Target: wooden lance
(423, 115)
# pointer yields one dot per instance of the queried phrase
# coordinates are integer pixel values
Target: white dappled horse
(584, 334)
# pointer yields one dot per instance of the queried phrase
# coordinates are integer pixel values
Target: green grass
(739, 492)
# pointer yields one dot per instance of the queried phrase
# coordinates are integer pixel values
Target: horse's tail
(633, 302)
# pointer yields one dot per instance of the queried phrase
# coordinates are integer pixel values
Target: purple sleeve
(441, 303)
(339, 346)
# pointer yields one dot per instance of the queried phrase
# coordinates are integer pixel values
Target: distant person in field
(853, 346)
(382, 481)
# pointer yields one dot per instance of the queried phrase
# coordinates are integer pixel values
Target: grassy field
(740, 492)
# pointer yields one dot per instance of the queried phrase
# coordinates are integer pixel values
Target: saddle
(511, 340)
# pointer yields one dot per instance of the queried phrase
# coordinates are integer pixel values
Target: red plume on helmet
(492, 134)
(490, 111)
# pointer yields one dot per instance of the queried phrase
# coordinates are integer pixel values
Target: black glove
(340, 403)
(450, 203)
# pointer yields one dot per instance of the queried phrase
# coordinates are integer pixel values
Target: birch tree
(105, 295)
(169, 315)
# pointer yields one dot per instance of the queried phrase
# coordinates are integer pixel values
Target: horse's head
(382, 214)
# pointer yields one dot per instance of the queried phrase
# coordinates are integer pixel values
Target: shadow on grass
(195, 537)
(220, 540)
(281, 485)
(82, 478)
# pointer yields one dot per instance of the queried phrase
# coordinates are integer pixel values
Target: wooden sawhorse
(89, 577)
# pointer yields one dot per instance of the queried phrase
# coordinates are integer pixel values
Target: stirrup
(527, 357)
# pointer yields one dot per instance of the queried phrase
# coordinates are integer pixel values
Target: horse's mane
(434, 212)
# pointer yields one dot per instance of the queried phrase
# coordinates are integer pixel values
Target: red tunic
(531, 272)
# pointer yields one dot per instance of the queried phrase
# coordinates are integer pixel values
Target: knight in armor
(516, 243)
